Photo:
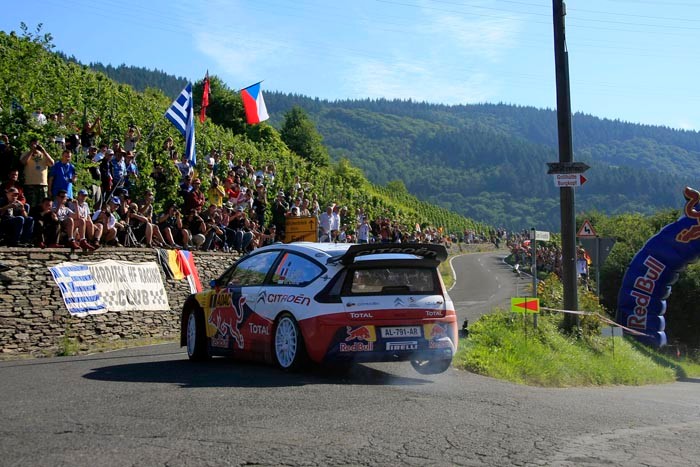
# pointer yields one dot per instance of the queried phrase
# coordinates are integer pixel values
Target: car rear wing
(423, 250)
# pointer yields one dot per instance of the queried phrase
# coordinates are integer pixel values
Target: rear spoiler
(424, 250)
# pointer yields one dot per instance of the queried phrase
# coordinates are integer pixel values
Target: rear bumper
(329, 339)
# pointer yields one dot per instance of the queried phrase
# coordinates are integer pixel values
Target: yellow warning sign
(525, 305)
(300, 229)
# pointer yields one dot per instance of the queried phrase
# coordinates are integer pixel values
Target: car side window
(253, 270)
(295, 270)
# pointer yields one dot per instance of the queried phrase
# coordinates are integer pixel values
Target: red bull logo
(363, 337)
(692, 233)
(227, 318)
(361, 334)
(438, 332)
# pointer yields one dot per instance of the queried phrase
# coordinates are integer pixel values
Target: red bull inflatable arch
(654, 269)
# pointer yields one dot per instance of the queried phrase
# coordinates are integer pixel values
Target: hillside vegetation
(488, 161)
(34, 76)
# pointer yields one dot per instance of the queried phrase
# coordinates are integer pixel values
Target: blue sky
(634, 60)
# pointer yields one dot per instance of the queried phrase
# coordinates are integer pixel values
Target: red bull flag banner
(99, 287)
(254, 104)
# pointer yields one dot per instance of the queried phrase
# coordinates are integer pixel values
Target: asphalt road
(150, 406)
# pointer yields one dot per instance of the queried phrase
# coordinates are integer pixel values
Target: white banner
(125, 286)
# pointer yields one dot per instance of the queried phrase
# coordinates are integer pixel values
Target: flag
(205, 99)
(188, 268)
(181, 114)
(254, 104)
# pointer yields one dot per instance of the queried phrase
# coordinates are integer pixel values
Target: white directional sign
(564, 180)
(541, 235)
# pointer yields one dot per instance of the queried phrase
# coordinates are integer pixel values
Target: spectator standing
(184, 167)
(36, 163)
(106, 181)
(90, 132)
(324, 224)
(15, 222)
(39, 117)
(279, 211)
(63, 175)
(335, 223)
(216, 193)
(195, 198)
(118, 169)
(132, 137)
(132, 170)
(12, 182)
(363, 231)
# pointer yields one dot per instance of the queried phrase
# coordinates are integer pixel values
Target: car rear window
(392, 281)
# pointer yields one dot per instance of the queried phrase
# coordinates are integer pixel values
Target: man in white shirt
(88, 231)
(363, 231)
(335, 223)
(324, 223)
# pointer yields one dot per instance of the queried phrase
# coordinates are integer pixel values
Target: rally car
(329, 303)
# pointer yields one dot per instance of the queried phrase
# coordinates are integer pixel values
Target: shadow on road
(222, 372)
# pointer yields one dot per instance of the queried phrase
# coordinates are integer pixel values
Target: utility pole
(566, 155)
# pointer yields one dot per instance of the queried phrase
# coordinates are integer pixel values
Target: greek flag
(181, 114)
(78, 289)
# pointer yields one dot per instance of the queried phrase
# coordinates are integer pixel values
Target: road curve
(150, 406)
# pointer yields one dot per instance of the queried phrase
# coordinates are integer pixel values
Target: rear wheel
(431, 367)
(196, 336)
(289, 350)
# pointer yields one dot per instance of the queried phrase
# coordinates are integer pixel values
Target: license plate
(401, 331)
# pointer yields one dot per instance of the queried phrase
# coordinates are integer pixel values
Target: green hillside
(488, 161)
(33, 77)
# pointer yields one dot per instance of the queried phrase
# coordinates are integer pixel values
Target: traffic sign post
(566, 168)
(598, 248)
(572, 180)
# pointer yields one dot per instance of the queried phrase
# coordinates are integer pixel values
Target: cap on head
(83, 192)
(115, 200)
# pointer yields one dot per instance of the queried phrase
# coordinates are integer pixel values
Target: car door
(232, 321)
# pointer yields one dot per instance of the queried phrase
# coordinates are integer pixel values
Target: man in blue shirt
(118, 169)
(62, 175)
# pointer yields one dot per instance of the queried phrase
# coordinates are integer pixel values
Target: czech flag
(254, 104)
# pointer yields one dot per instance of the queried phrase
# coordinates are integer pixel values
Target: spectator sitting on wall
(15, 223)
(171, 227)
(110, 222)
(46, 226)
(88, 232)
(194, 223)
(140, 225)
(36, 163)
(66, 217)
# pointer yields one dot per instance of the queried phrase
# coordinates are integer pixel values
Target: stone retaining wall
(34, 320)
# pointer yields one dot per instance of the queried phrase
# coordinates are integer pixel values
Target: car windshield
(394, 281)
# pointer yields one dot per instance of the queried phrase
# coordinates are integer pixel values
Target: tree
(300, 135)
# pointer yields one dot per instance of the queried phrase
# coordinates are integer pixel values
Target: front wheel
(196, 337)
(431, 367)
(289, 350)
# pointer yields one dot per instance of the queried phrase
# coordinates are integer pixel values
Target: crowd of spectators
(240, 211)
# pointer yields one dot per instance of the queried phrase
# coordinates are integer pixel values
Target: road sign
(611, 331)
(566, 168)
(541, 235)
(586, 230)
(598, 248)
(524, 305)
(563, 180)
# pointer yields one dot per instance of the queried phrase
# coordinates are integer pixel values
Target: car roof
(334, 250)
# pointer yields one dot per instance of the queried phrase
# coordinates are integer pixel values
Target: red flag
(205, 99)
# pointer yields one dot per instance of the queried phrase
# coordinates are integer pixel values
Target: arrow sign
(525, 305)
(566, 168)
(564, 180)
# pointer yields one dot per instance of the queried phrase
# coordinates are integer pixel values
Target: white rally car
(328, 303)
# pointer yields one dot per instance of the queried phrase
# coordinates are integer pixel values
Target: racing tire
(431, 367)
(288, 349)
(196, 338)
